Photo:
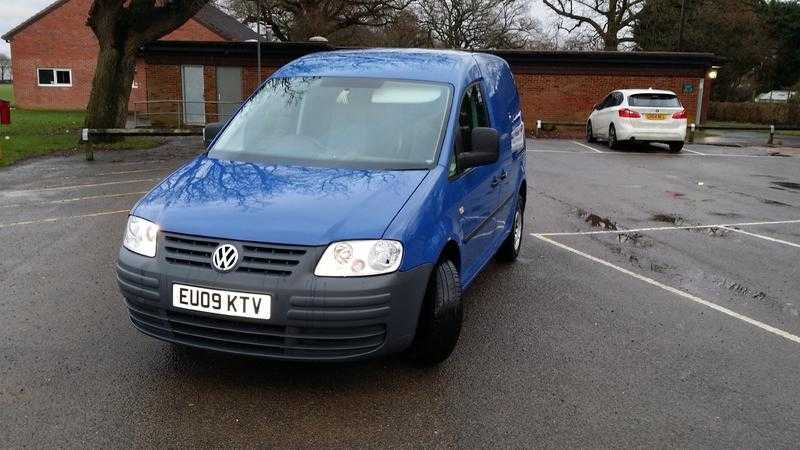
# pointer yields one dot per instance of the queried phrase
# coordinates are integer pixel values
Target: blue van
(339, 214)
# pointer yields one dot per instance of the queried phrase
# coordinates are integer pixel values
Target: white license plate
(226, 303)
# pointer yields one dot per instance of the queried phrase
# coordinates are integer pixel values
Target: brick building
(55, 53)
(554, 86)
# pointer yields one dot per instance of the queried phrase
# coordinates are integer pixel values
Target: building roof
(694, 64)
(210, 16)
(224, 24)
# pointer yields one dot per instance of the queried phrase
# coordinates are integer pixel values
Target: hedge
(760, 113)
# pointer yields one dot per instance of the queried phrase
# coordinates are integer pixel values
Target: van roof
(448, 66)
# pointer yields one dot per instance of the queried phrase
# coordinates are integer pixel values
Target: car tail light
(629, 114)
(680, 115)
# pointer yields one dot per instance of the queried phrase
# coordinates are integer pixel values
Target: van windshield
(341, 122)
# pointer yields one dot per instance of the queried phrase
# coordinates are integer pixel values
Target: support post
(692, 128)
(700, 96)
(88, 144)
(538, 128)
(771, 140)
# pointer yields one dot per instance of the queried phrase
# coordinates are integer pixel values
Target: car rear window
(654, 100)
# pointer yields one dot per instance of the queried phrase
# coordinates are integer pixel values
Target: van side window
(473, 114)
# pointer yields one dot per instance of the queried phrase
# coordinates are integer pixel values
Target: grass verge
(36, 133)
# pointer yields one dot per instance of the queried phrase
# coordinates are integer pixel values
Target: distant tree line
(465, 24)
(758, 38)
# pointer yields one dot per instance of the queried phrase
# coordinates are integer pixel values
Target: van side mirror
(211, 131)
(485, 148)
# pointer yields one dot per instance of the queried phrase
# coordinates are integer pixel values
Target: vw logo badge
(225, 258)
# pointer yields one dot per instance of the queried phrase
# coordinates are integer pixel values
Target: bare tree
(298, 20)
(607, 19)
(121, 28)
(5, 66)
(473, 24)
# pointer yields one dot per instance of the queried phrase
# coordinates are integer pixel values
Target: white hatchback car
(638, 115)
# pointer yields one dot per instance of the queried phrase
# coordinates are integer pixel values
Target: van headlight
(360, 258)
(140, 236)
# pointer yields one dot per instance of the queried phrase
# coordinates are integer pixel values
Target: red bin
(5, 113)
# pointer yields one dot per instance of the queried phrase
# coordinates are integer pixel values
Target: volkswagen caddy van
(339, 214)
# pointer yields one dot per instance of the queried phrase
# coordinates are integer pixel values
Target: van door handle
(495, 182)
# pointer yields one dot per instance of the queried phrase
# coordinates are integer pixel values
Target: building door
(194, 107)
(229, 91)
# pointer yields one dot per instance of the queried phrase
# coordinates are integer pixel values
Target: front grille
(265, 259)
(254, 338)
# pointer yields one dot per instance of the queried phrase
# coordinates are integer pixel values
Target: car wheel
(440, 319)
(612, 138)
(675, 147)
(590, 134)
(509, 250)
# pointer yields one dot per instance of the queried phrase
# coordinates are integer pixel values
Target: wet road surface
(676, 334)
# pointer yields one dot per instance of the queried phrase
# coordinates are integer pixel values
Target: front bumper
(312, 318)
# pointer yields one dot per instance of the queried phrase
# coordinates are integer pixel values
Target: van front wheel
(441, 316)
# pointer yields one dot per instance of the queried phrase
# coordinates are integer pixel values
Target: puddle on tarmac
(636, 239)
(787, 184)
(726, 214)
(601, 222)
(774, 202)
(668, 218)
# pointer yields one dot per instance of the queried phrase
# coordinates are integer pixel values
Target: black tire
(440, 319)
(509, 250)
(613, 143)
(590, 133)
(675, 147)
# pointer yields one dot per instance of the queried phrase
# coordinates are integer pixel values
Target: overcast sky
(14, 12)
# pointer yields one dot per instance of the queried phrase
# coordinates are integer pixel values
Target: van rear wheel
(509, 250)
(440, 319)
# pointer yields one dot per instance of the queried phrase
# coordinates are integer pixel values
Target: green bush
(757, 113)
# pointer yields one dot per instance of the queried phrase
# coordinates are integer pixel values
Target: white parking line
(761, 236)
(125, 172)
(58, 219)
(76, 199)
(553, 151)
(694, 152)
(667, 228)
(79, 186)
(677, 155)
(675, 291)
(587, 146)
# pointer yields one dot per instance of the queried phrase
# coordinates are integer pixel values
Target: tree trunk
(610, 40)
(111, 88)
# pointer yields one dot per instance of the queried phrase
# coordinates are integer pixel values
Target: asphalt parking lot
(656, 304)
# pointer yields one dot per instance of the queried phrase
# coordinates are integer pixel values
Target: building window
(55, 77)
